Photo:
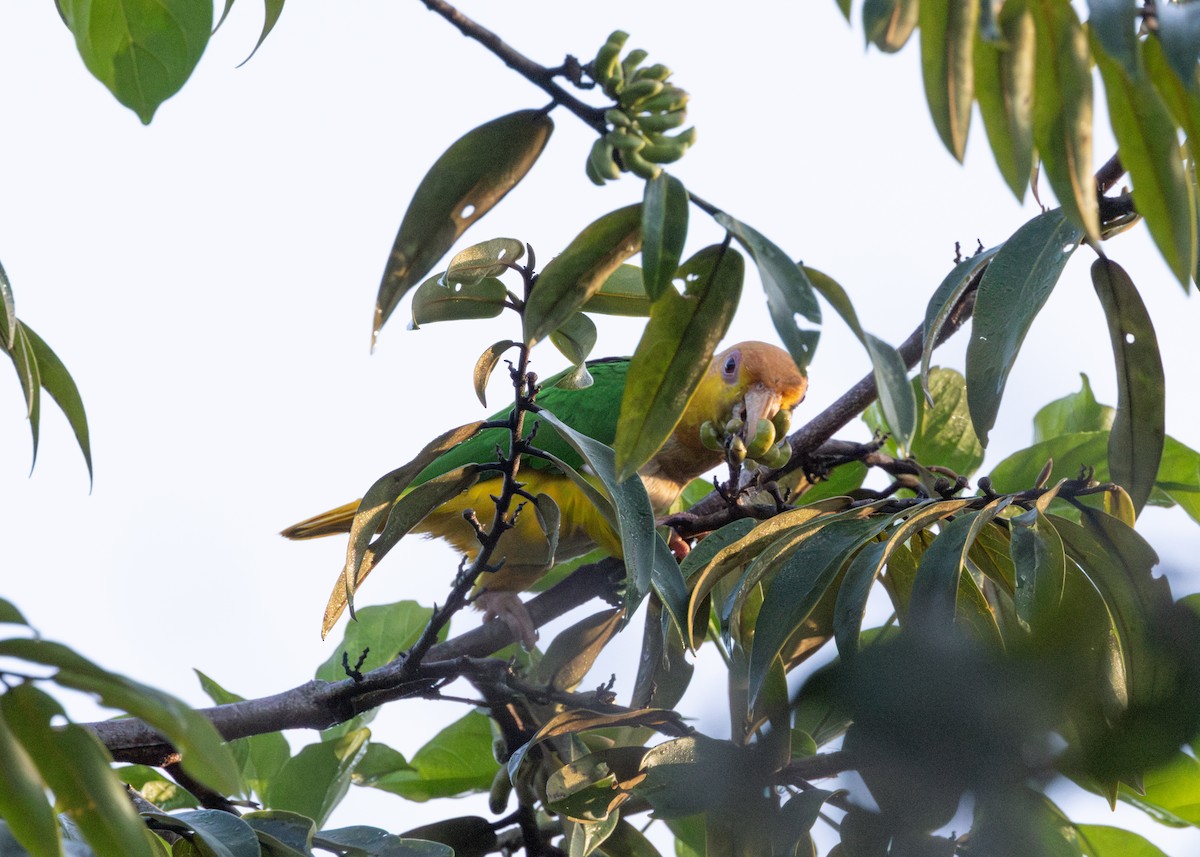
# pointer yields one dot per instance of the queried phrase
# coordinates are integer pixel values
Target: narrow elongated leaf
(936, 587)
(623, 293)
(1179, 34)
(486, 364)
(1062, 111)
(25, 360)
(274, 8)
(1004, 90)
(674, 352)
(142, 50)
(947, 65)
(1138, 433)
(1014, 288)
(8, 313)
(577, 273)
(891, 374)
(463, 184)
(1182, 96)
(57, 381)
(945, 299)
(1149, 150)
(887, 24)
(574, 650)
(315, 780)
(23, 799)
(1040, 565)
(1113, 26)
(484, 260)
(788, 291)
(664, 232)
(75, 765)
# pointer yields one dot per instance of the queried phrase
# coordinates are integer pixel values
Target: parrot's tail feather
(329, 523)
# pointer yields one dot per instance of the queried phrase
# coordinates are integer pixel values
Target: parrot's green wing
(592, 411)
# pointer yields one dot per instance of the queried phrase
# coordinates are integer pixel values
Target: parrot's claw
(679, 546)
(511, 610)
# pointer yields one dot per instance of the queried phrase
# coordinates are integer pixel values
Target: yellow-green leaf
(947, 65)
(664, 231)
(1004, 89)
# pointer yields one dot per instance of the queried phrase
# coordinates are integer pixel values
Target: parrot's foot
(679, 547)
(510, 609)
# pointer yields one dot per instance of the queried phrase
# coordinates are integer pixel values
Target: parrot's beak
(760, 403)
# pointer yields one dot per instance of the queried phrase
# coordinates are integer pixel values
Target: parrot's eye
(729, 369)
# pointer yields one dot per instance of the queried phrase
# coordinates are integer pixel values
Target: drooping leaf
(1136, 442)
(75, 765)
(1113, 26)
(576, 274)
(945, 299)
(887, 24)
(142, 50)
(455, 761)
(1181, 95)
(210, 831)
(947, 64)
(1179, 34)
(891, 374)
(1004, 89)
(1013, 290)
(575, 338)
(8, 313)
(315, 780)
(57, 381)
(274, 8)
(25, 360)
(1040, 565)
(486, 364)
(622, 293)
(674, 352)
(23, 798)
(936, 588)
(463, 184)
(435, 300)
(788, 291)
(1149, 150)
(1062, 111)
(664, 232)
(574, 650)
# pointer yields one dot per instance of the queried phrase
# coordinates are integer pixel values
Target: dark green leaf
(75, 765)
(575, 338)
(486, 364)
(23, 798)
(9, 614)
(1004, 89)
(25, 361)
(887, 24)
(1149, 150)
(891, 374)
(691, 774)
(373, 842)
(674, 352)
(573, 276)
(945, 299)
(1072, 413)
(1136, 443)
(283, 830)
(435, 300)
(1013, 290)
(947, 64)
(8, 313)
(936, 588)
(213, 833)
(1062, 111)
(315, 780)
(623, 293)
(482, 261)
(57, 381)
(789, 292)
(1179, 34)
(573, 650)
(142, 50)
(259, 756)
(1113, 25)
(274, 8)
(464, 184)
(456, 761)
(468, 835)
(1182, 96)
(707, 548)
(1040, 566)
(664, 232)
(852, 595)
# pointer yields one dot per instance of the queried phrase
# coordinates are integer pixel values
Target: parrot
(747, 381)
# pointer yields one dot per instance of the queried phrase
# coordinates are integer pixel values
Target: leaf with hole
(480, 261)
(437, 300)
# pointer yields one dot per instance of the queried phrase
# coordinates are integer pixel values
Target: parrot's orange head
(751, 381)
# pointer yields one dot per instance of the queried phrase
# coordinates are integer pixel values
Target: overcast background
(209, 282)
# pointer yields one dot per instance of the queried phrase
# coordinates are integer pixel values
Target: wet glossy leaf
(74, 764)
(482, 261)
(887, 24)
(486, 364)
(1004, 90)
(282, 833)
(315, 780)
(142, 50)
(1179, 35)
(463, 184)
(23, 798)
(623, 293)
(1149, 150)
(212, 832)
(664, 232)
(1136, 442)
(1072, 413)
(456, 761)
(575, 338)
(435, 301)
(576, 274)
(1062, 111)
(692, 774)
(789, 293)
(674, 352)
(57, 381)
(947, 64)
(891, 374)
(1013, 290)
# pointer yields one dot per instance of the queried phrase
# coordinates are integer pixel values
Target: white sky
(209, 282)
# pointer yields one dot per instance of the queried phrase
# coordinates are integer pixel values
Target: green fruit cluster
(647, 108)
(762, 448)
